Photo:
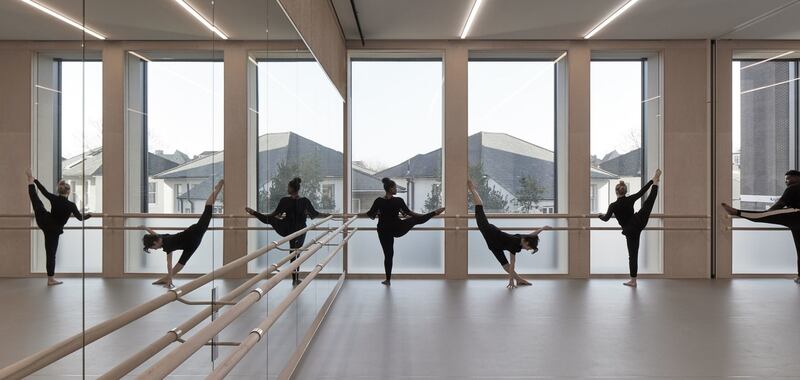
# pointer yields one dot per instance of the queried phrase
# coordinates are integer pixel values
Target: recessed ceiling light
(202, 19)
(64, 18)
(137, 55)
(608, 19)
(472, 14)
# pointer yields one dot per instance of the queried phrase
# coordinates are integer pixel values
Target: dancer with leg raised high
(633, 223)
(785, 212)
(388, 209)
(289, 217)
(499, 241)
(187, 240)
(52, 222)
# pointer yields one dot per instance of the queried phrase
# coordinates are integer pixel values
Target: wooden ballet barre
(41, 359)
(757, 229)
(563, 216)
(174, 335)
(178, 355)
(222, 370)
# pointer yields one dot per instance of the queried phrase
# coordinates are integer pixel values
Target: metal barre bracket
(212, 303)
(259, 291)
(177, 292)
(258, 331)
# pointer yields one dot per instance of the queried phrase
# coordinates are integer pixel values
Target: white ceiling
(145, 20)
(414, 19)
(571, 19)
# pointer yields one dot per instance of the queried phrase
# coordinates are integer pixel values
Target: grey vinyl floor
(665, 329)
(420, 329)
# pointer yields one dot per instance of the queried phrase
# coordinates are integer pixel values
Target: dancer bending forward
(499, 241)
(785, 212)
(187, 240)
(388, 209)
(52, 222)
(633, 223)
(289, 217)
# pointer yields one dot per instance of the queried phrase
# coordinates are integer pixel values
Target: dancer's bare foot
(523, 283)
(387, 282)
(30, 176)
(470, 185)
(249, 210)
(160, 281)
(631, 283)
(52, 281)
(438, 211)
(219, 185)
(657, 177)
(730, 210)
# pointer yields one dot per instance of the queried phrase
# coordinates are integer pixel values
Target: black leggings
(633, 230)
(787, 217)
(51, 233)
(387, 233)
(283, 228)
(490, 232)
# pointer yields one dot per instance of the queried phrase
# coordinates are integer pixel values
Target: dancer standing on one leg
(187, 240)
(633, 223)
(52, 222)
(785, 212)
(499, 241)
(289, 217)
(388, 209)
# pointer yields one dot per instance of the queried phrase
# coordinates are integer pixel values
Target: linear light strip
(768, 59)
(471, 18)
(560, 57)
(202, 19)
(137, 55)
(651, 99)
(768, 86)
(64, 18)
(611, 18)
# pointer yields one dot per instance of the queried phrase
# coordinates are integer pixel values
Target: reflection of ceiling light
(137, 55)
(472, 14)
(202, 19)
(64, 18)
(252, 60)
(768, 86)
(608, 20)
(768, 59)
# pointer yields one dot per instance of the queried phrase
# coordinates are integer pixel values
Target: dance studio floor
(666, 329)
(448, 329)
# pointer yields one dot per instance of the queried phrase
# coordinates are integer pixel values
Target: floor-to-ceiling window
(68, 146)
(396, 132)
(625, 147)
(516, 124)
(764, 142)
(174, 147)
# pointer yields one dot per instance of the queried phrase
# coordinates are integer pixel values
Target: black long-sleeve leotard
(189, 239)
(295, 210)
(622, 210)
(388, 212)
(61, 209)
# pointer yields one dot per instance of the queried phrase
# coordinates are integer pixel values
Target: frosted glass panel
(551, 258)
(72, 245)
(762, 251)
(610, 251)
(416, 252)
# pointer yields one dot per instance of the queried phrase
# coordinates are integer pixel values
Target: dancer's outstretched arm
(605, 217)
(781, 202)
(512, 274)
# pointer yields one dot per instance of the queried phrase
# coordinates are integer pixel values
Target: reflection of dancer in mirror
(499, 241)
(187, 240)
(785, 212)
(388, 209)
(52, 222)
(633, 223)
(289, 217)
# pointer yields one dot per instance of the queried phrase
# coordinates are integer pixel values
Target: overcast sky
(396, 110)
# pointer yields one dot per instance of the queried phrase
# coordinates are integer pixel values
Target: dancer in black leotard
(52, 222)
(289, 217)
(187, 240)
(388, 209)
(499, 241)
(785, 212)
(633, 223)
